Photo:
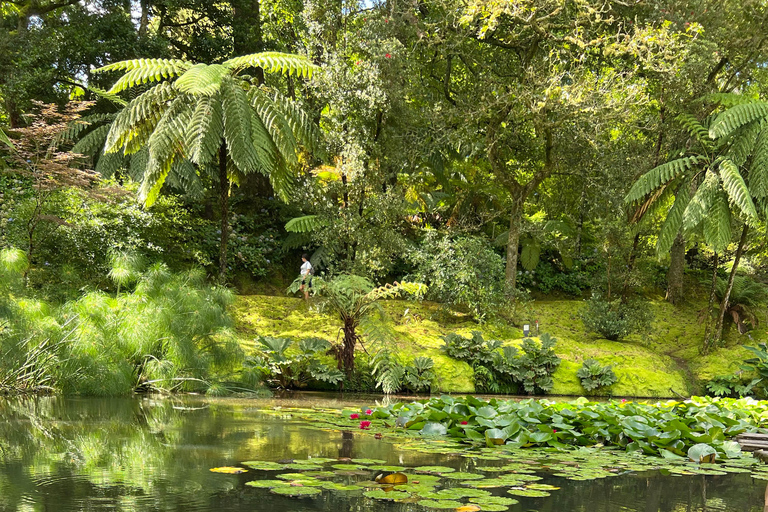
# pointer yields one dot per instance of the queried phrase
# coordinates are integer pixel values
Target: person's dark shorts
(307, 281)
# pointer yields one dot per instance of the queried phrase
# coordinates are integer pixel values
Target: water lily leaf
(320, 474)
(529, 493)
(294, 476)
(388, 468)
(460, 475)
(348, 467)
(494, 500)
(541, 487)
(495, 436)
(441, 504)
(702, 452)
(366, 462)
(434, 469)
(296, 491)
(468, 508)
(383, 494)
(268, 484)
(732, 449)
(434, 429)
(261, 465)
(229, 470)
(334, 486)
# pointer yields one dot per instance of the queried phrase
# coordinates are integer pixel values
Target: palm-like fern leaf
(109, 163)
(273, 62)
(140, 71)
(93, 142)
(695, 128)
(237, 128)
(658, 176)
(304, 130)
(758, 172)
(742, 142)
(75, 129)
(736, 117)
(737, 190)
(139, 117)
(304, 224)
(717, 223)
(674, 220)
(276, 124)
(700, 203)
(202, 79)
(203, 136)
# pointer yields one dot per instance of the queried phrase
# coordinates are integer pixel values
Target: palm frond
(273, 62)
(737, 190)
(93, 142)
(758, 171)
(658, 176)
(736, 117)
(139, 71)
(305, 224)
(136, 120)
(304, 130)
(276, 124)
(701, 202)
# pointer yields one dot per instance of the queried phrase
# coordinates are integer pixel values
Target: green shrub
(463, 272)
(594, 376)
(500, 369)
(287, 367)
(615, 320)
(733, 386)
(393, 376)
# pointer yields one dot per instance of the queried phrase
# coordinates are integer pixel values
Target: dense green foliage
(669, 429)
(594, 376)
(282, 366)
(616, 319)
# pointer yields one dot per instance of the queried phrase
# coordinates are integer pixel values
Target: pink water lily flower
(465, 423)
(369, 411)
(354, 416)
(365, 425)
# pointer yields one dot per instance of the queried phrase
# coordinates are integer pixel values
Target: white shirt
(306, 267)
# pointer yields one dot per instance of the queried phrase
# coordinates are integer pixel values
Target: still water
(149, 454)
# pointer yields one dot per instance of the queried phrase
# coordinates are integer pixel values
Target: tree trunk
(675, 272)
(513, 241)
(347, 355)
(630, 268)
(727, 295)
(144, 19)
(708, 329)
(224, 203)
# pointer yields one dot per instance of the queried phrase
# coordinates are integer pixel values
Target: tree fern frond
(164, 67)
(727, 99)
(138, 165)
(674, 220)
(237, 128)
(202, 79)
(699, 205)
(305, 224)
(146, 109)
(78, 126)
(203, 136)
(758, 171)
(658, 176)
(5, 139)
(93, 142)
(273, 62)
(737, 116)
(184, 176)
(695, 128)
(737, 190)
(109, 163)
(101, 93)
(165, 145)
(717, 223)
(296, 240)
(282, 181)
(742, 142)
(304, 130)
(276, 124)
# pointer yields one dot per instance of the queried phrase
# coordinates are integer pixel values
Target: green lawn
(666, 363)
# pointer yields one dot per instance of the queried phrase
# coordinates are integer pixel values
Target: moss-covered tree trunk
(513, 241)
(675, 272)
(708, 330)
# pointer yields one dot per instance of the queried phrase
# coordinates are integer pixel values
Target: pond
(152, 454)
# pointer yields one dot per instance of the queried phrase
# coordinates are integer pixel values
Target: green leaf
(273, 62)
(674, 220)
(434, 429)
(658, 176)
(734, 185)
(529, 256)
(736, 117)
(202, 79)
(702, 452)
(717, 223)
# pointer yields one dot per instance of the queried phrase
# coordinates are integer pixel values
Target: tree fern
(742, 142)
(202, 79)
(658, 176)
(203, 135)
(273, 62)
(304, 224)
(141, 71)
(717, 223)
(92, 142)
(674, 220)
(737, 190)
(699, 205)
(736, 117)
(695, 128)
(275, 123)
(138, 117)
(304, 130)
(237, 128)
(758, 171)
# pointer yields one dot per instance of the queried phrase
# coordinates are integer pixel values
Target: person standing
(306, 276)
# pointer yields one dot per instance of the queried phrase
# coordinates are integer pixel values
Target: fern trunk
(347, 355)
(712, 294)
(513, 241)
(224, 203)
(731, 278)
(675, 272)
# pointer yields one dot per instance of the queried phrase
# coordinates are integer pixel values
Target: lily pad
(296, 491)
(442, 504)
(334, 486)
(262, 465)
(294, 476)
(348, 467)
(494, 500)
(541, 487)
(460, 475)
(381, 494)
(367, 462)
(320, 474)
(455, 493)
(529, 493)
(434, 469)
(388, 468)
(267, 484)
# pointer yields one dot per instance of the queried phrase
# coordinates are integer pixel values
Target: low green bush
(393, 376)
(287, 366)
(594, 376)
(615, 319)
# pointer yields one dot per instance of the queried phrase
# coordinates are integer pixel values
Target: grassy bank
(666, 363)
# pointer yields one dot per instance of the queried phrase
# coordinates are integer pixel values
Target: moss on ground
(664, 363)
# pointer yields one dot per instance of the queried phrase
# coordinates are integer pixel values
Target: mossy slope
(663, 364)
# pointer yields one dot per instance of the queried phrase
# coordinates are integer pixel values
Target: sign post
(526, 330)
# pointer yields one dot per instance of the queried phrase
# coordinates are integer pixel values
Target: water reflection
(154, 455)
